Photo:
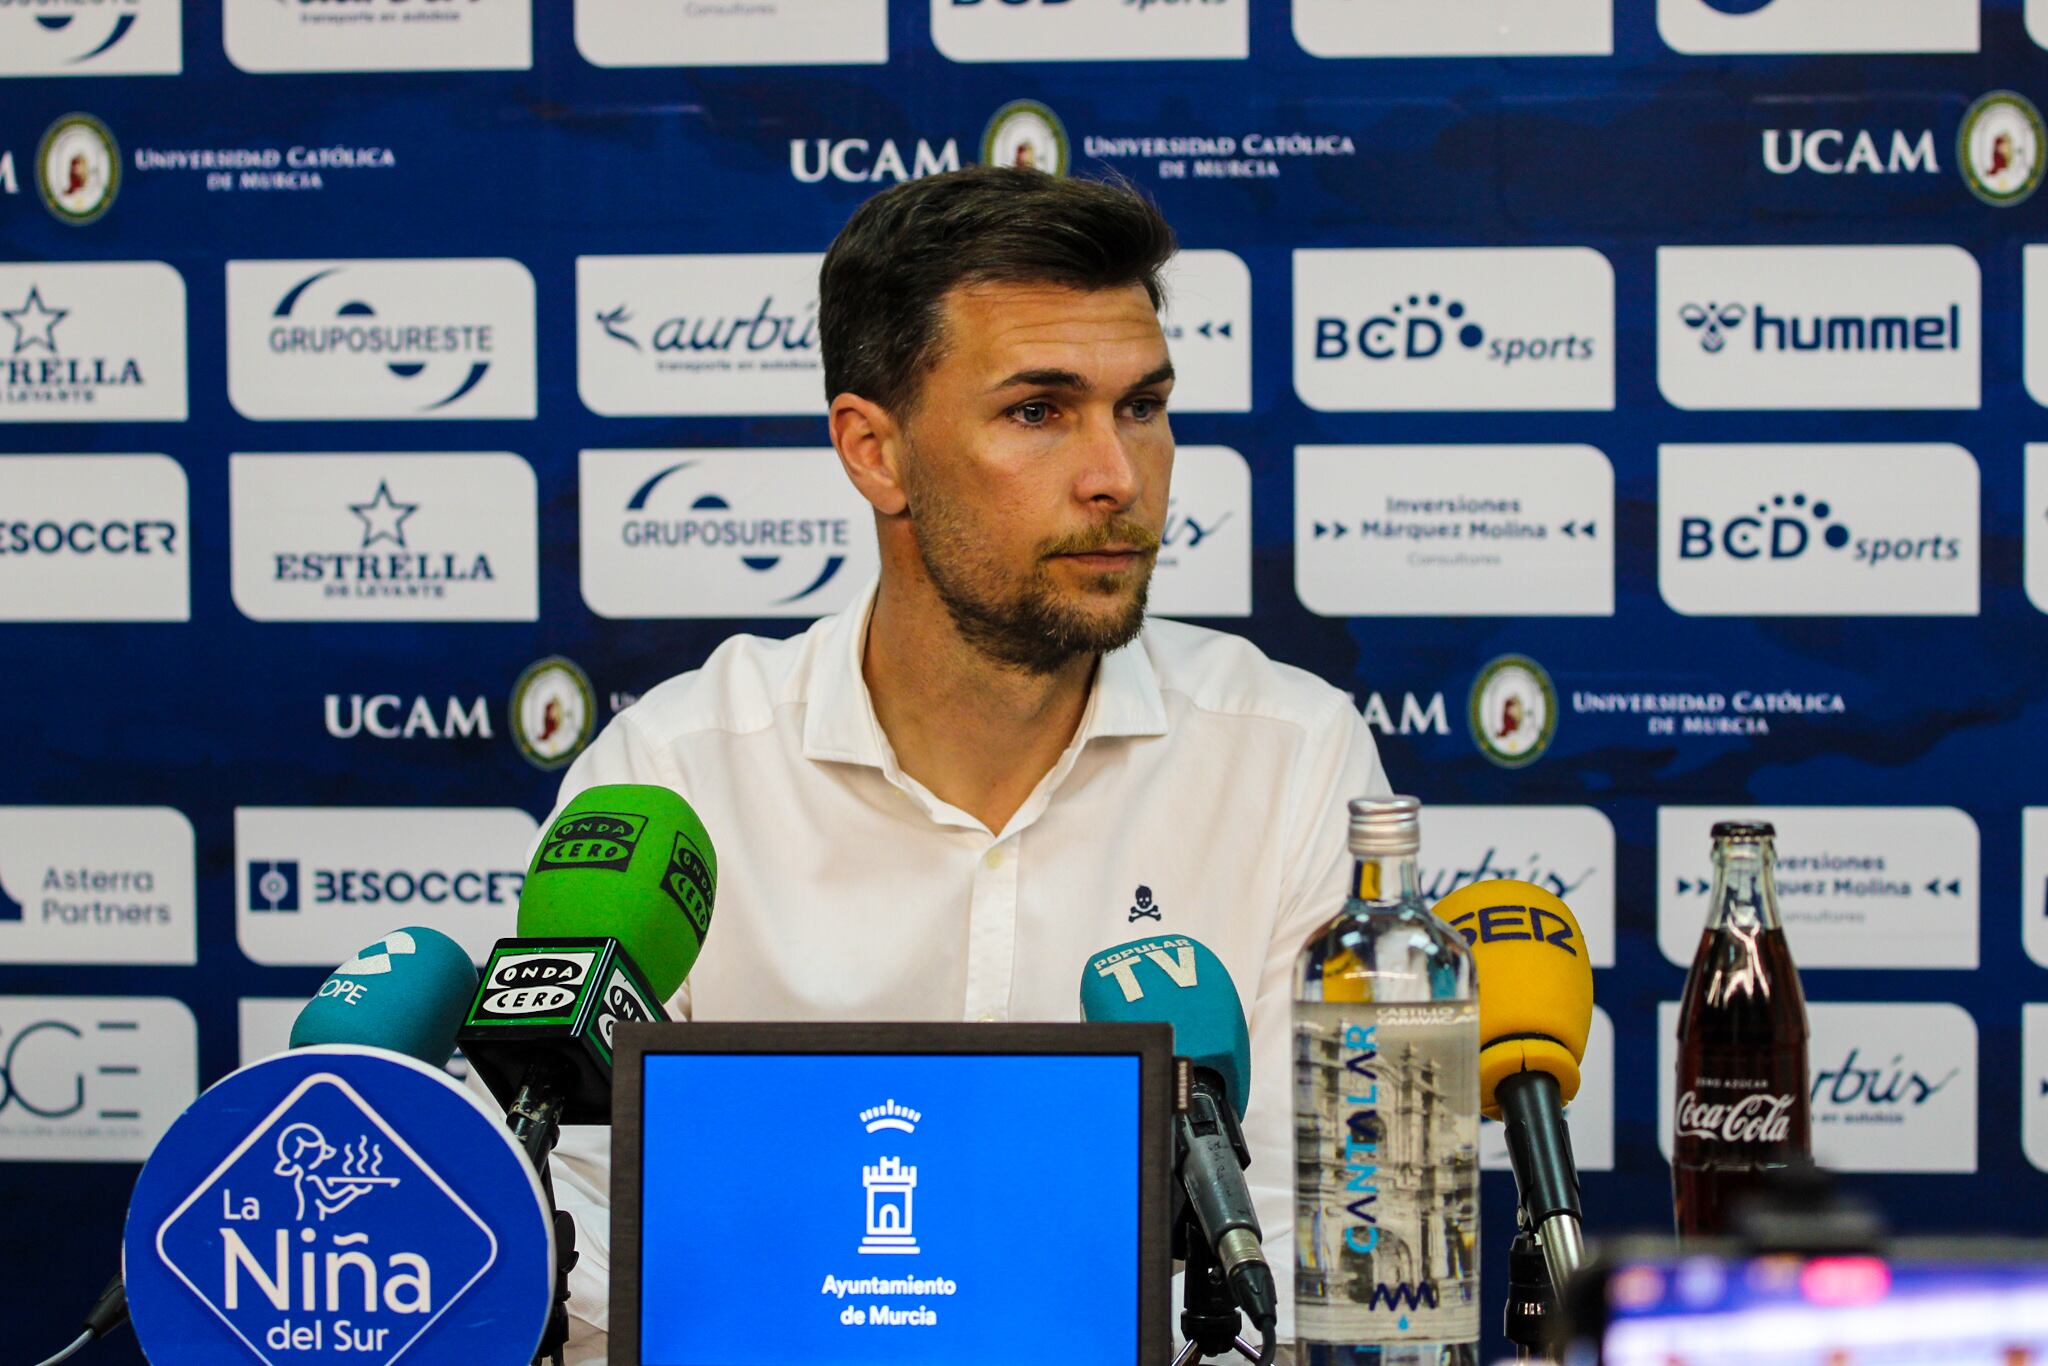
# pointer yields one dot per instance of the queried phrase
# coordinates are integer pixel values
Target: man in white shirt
(939, 803)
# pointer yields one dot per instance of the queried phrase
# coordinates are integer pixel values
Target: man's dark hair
(883, 284)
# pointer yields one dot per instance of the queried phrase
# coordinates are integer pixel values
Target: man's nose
(1108, 471)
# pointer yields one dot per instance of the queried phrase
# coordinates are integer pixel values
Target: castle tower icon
(889, 1186)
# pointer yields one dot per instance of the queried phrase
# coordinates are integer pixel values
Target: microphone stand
(1209, 1317)
(535, 1119)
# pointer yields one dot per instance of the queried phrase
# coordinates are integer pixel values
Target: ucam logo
(1566, 850)
(1455, 28)
(1462, 329)
(699, 335)
(92, 1078)
(1823, 530)
(416, 536)
(1090, 30)
(1204, 567)
(1454, 530)
(93, 538)
(91, 38)
(99, 341)
(313, 882)
(864, 160)
(1207, 319)
(1858, 886)
(1837, 151)
(1893, 1089)
(1818, 327)
(1717, 26)
(387, 716)
(722, 533)
(784, 33)
(96, 884)
(378, 35)
(387, 339)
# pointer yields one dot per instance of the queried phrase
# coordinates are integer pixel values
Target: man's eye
(1145, 409)
(1033, 413)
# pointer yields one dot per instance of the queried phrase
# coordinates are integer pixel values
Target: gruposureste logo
(1818, 530)
(397, 339)
(1204, 567)
(92, 342)
(1566, 850)
(1208, 323)
(1455, 28)
(313, 883)
(389, 537)
(699, 335)
(379, 35)
(91, 38)
(721, 533)
(93, 538)
(1714, 26)
(1090, 30)
(1818, 327)
(1858, 886)
(92, 1078)
(1454, 530)
(1461, 329)
(96, 884)
(782, 33)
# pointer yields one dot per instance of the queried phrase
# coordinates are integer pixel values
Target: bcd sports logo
(1818, 530)
(785, 33)
(1818, 327)
(93, 538)
(96, 884)
(698, 335)
(91, 38)
(1716, 26)
(378, 35)
(391, 339)
(388, 537)
(312, 883)
(92, 342)
(1454, 28)
(721, 533)
(1090, 30)
(1497, 329)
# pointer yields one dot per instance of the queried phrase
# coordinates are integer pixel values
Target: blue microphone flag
(1178, 981)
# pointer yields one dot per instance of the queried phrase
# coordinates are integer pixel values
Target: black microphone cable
(108, 1312)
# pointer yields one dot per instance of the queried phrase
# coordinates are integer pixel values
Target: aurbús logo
(776, 328)
(1788, 525)
(324, 1232)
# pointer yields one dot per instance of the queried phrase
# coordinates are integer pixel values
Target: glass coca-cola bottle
(1743, 1104)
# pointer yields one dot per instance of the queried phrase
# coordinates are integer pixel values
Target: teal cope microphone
(612, 915)
(1177, 981)
(408, 992)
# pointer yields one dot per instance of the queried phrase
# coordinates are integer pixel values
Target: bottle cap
(1744, 832)
(1385, 827)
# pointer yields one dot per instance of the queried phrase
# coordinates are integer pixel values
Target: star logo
(383, 517)
(35, 322)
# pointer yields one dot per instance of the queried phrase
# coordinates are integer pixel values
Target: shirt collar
(839, 719)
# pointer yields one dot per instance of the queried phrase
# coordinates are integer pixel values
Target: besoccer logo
(274, 886)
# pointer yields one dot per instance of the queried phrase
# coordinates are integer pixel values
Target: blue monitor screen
(836, 1210)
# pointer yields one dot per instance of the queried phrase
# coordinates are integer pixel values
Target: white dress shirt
(1201, 770)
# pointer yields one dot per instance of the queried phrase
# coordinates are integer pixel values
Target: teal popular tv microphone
(407, 992)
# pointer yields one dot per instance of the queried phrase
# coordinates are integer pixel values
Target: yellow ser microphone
(1535, 1009)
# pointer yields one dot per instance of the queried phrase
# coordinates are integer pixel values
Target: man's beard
(1029, 626)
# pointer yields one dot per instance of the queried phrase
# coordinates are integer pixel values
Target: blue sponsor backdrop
(1622, 153)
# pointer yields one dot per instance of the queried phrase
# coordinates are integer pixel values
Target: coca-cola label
(1757, 1118)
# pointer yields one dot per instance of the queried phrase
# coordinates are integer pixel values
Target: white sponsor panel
(93, 1078)
(722, 533)
(1455, 28)
(93, 341)
(1208, 323)
(2037, 526)
(384, 537)
(1589, 1117)
(1399, 531)
(96, 884)
(2034, 882)
(1090, 30)
(2037, 25)
(1776, 531)
(1858, 886)
(1464, 329)
(699, 335)
(91, 38)
(390, 340)
(757, 33)
(94, 538)
(2034, 1084)
(1893, 1085)
(379, 35)
(264, 1025)
(315, 884)
(1714, 26)
(2033, 320)
(1566, 850)
(1205, 556)
(1818, 327)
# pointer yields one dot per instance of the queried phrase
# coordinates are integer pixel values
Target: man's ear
(870, 443)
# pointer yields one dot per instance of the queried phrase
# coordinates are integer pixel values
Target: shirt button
(994, 858)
